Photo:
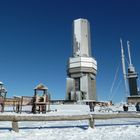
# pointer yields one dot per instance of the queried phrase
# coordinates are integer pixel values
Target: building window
(77, 84)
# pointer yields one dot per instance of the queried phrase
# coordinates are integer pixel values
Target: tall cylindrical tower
(82, 68)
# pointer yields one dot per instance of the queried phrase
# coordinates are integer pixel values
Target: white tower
(82, 68)
(81, 38)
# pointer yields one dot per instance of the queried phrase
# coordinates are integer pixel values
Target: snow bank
(113, 129)
(75, 130)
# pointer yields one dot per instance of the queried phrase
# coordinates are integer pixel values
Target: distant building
(82, 68)
(131, 76)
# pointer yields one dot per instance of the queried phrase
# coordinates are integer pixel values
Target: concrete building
(82, 68)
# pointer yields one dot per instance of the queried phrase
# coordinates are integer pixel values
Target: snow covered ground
(113, 129)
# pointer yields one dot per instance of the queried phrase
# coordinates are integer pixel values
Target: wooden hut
(40, 99)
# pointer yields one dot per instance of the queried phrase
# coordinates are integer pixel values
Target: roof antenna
(129, 54)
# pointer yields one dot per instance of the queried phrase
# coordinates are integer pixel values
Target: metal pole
(129, 54)
(123, 67)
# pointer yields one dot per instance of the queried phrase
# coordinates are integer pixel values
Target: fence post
(15, 126)
(91, 122)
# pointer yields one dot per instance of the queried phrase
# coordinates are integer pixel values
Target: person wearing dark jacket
(138, 106)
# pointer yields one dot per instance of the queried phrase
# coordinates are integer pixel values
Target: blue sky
(36, 42)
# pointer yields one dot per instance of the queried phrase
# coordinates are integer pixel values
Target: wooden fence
(16, 118)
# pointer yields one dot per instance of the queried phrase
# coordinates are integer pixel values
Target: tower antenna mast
(129, 54)
(132, 75)
(123, 67)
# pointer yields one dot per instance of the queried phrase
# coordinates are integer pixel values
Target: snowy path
(112, 129)
(115, 129)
